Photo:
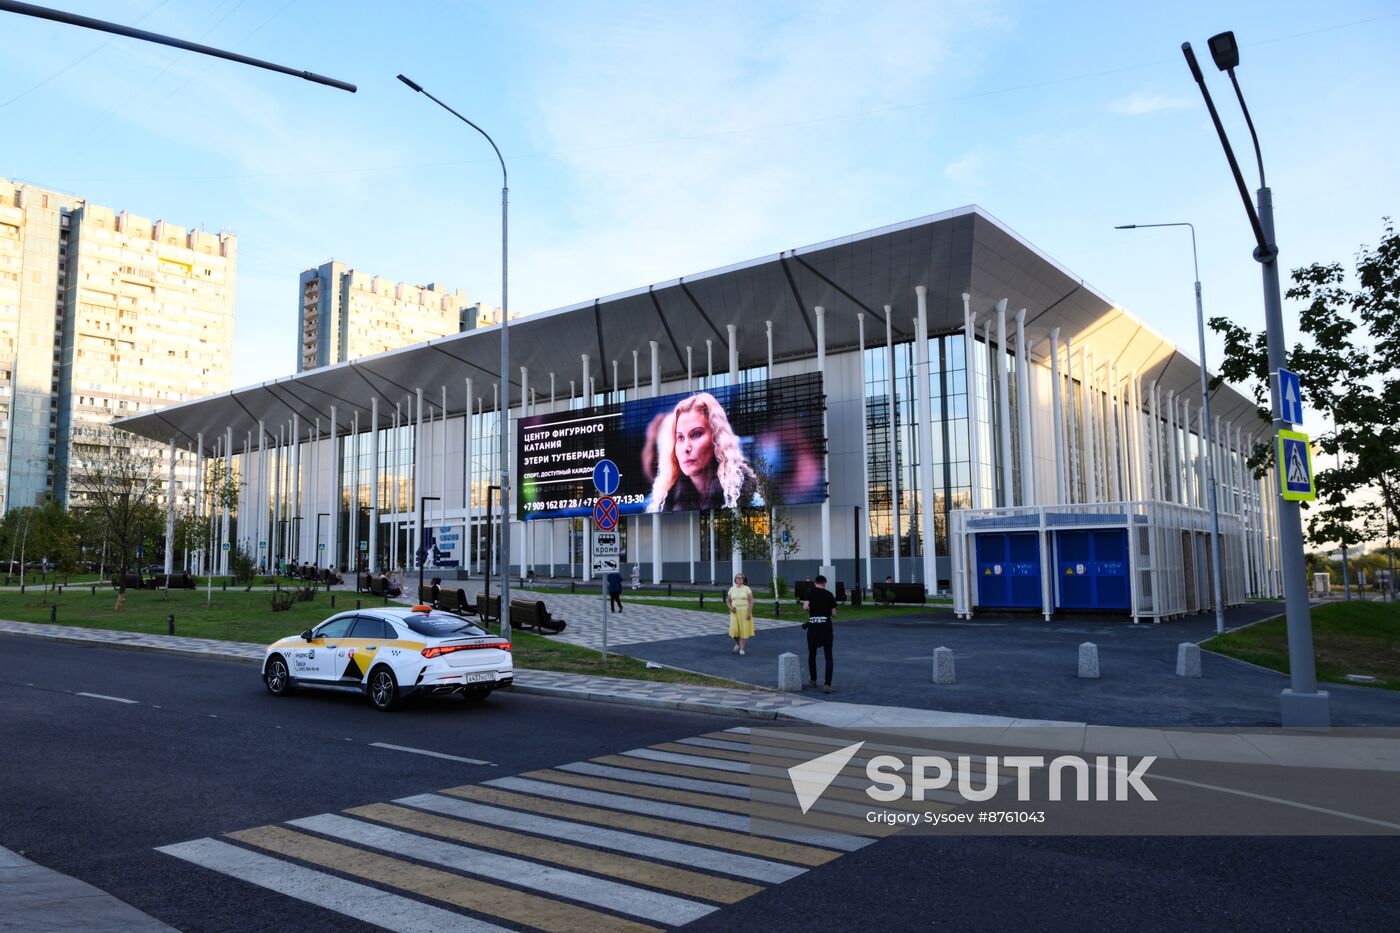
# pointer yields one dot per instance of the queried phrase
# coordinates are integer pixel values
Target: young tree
(763, 531)
(1347, 364)
(119, 477)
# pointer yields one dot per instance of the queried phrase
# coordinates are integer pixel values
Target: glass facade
(893, 448)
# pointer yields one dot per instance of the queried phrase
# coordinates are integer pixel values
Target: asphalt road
(91, 787)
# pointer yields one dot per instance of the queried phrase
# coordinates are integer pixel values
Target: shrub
(782, 589)
(305, 594)
(282, 601)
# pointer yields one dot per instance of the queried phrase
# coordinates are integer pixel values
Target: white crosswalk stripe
(667, 811)
(601, 893)
(718, 764)
(730, 863)
(739, 791)
(380, 908)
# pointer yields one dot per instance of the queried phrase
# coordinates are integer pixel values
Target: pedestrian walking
(821, 615)
(739, 599)
(614, 592)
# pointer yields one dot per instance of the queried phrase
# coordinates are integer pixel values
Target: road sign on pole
(606, 552)
(606, 477)
(1290, 397)
(1295, 467)
(605, 513)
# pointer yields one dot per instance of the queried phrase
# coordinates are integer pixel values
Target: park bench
(531, 613)
(902, 592)
(447, 600)
(488, 608)
(126, 581)
(178, 581)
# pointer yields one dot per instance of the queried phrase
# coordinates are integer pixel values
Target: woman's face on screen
(695, 445)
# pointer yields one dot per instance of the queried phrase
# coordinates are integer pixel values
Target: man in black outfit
(821, 613)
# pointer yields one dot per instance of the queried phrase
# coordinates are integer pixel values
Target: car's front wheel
(277, 678)
(383, 689)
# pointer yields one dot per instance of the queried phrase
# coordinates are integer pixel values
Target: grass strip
(1348, 638)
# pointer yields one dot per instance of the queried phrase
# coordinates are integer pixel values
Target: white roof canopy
(964, 250)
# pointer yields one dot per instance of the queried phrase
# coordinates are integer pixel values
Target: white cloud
(1142, 103)
(968, 170)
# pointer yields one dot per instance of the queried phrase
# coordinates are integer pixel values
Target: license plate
(478, 678)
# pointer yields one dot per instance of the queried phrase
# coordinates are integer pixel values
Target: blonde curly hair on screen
(731, 468)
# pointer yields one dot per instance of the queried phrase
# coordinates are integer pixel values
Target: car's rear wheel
(277, 678)
(475, 694)
(383, 689)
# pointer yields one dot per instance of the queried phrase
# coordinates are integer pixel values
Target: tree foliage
(1346, 361)
(119, 478)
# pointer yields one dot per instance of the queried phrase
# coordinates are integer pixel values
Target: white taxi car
(389, 653)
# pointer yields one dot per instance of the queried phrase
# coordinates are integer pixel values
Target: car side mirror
(306, 634)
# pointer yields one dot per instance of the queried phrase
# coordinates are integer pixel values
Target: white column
(826, 566)
(1139, 455)
(1023, 409)
(394, 488)
(689, 387)
(974, 408)
(1074, 428)
(772, 512)
(1057, 414)
(655, 516)
(1004, 406)
(170, 516)
(294, 488)
(199, 494)
(736, 557)
(469, 482)
(890, 385)
(332, 497)
(864, 453)
(709, 377)
(585, 568)
(924, 406)
(1086, 425)
(372, 564)
(1113, 435)
(228, 475)
(419, 475)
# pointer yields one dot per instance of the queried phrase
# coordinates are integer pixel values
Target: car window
(335, 628)
(441, 625)
(367, 627)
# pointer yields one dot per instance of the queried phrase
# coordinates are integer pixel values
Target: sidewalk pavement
(36, 899)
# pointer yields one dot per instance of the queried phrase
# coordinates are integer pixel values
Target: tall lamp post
(505, 354)
(319, 516)
(423, 544)
(1302, 704)
(1205, 430)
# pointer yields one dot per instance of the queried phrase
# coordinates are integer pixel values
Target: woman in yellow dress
(739, 599)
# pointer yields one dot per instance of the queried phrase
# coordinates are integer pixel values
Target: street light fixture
(423, 544)
(505, 351)
(1302, 704)
(1211, 502)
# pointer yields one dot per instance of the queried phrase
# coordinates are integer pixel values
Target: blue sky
(651, 140)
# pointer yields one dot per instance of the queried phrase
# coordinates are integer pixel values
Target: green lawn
(241, 616)
(1349, 638)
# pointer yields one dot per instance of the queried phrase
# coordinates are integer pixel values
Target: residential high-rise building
(347, 314)
(101, 315)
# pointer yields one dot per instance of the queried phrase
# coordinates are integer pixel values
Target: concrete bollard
(943, 672)
(789, 673)
(1089, 660)
(1188, 660)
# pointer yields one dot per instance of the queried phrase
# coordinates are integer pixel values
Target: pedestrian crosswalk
(648, 839)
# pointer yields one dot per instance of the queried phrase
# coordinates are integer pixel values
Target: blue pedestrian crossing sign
(1295, 467)
(1290, 397)
(606, 477)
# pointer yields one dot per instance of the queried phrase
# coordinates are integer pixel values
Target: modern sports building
(993, 425)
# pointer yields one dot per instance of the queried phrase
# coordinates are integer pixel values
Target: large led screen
(689, 452)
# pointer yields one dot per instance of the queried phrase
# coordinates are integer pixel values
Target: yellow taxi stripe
(716, 838)
(459, 890)
(651, 874)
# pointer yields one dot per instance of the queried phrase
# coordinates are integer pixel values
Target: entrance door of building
(1091, 568)
(1008, 570)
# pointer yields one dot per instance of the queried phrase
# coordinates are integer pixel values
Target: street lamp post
(1211, 502)
(319, 516)
(423, 543)
(505, 354)
(1302, 704)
